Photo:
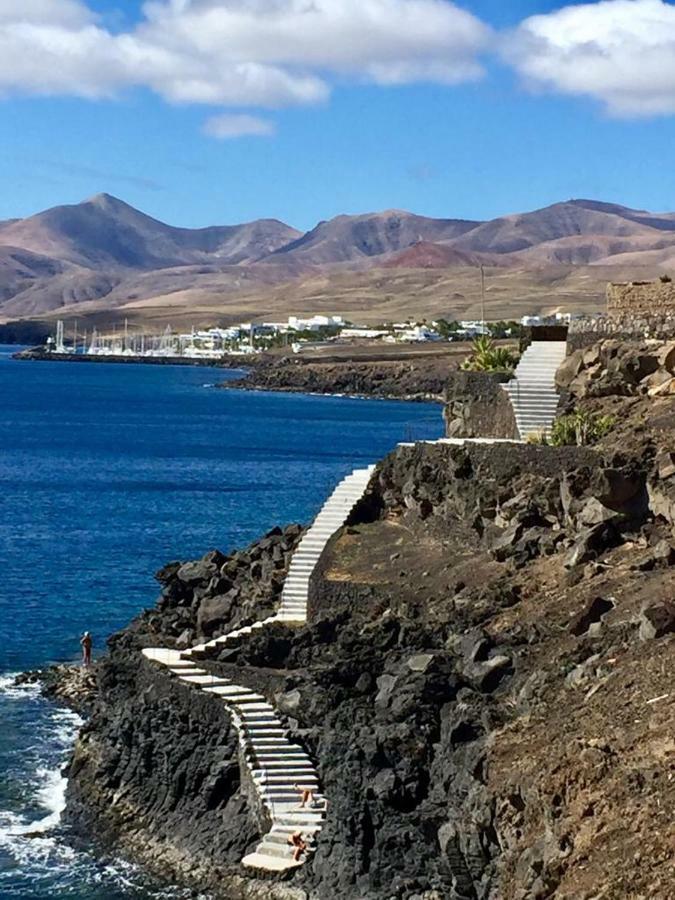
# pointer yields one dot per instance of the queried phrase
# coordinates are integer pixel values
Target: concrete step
(281, 851)
(288, 796)
(236, 699)
(279, 796)
(284, 769)
(278, 829)
(280, 838)
(536, 409)
(538, 392)
(269, 863)
(295, 760)
(260, 718)
(529, 388)
(205, 680)
(273, 744)
(532, 421)
(301, 819)
(258, 731)
(188, 670)
(308, 780)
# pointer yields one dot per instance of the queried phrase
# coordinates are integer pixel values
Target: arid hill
(102, 260)
(355, 238)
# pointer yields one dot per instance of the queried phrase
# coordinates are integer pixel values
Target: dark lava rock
(591, 543)
(593, 612)
(657, 620)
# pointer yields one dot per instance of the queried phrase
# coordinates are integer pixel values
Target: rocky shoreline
(483, 684)
(422, 380)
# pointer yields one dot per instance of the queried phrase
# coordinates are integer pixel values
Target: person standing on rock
(86, 643)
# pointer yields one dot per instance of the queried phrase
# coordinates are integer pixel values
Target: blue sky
(537, 125)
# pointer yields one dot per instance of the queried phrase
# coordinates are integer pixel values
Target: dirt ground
(584, 768)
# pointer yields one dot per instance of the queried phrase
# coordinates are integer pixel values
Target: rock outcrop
(476, 406)
(619, 368)
(482, 687)
(415, 379)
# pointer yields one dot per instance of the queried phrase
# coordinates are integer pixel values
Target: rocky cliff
(483, 685)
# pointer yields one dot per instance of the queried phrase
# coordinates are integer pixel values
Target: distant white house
(370, 333)
(554, 319)
(314, 323)
(419, 334)
(473, 328)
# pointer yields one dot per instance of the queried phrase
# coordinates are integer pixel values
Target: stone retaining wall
(641, 297)
(636, 310)
(477, 406)
(628, 327)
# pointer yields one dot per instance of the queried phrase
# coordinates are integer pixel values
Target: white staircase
(278, 768)
(293, 607)
(273, 762)
(532, 392)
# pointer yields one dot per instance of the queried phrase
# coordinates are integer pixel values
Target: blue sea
(106, 473)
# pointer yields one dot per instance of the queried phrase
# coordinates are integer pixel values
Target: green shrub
(485, 357)
(665, 279)
(580, 428)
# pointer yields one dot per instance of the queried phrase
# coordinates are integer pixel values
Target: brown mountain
(574, 219)
(358, 239)
(427, 255)
(102, 257)
(20, 269)
(104, 232)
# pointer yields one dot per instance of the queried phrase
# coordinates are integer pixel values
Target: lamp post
(482, 296)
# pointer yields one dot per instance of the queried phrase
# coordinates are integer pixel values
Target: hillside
(105, 232)
(103, 259)
(353, 238)
(479, 684)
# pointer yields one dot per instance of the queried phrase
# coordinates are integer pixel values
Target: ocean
(108, 471)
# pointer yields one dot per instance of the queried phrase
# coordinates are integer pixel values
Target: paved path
(277, 767)
(533, 392)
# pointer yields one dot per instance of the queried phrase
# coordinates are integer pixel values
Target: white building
(418, 335)
(314, 323)
(370, 333)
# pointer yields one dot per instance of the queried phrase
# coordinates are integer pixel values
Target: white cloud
(228, 126)
(620, 52)
(229, 53)
(69, 13)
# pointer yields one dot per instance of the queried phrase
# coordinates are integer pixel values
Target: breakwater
(39, 355)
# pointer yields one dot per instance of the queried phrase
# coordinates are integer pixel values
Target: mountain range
(102, 259)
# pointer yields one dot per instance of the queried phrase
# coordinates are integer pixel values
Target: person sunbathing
(306, 796)
(298, 843)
